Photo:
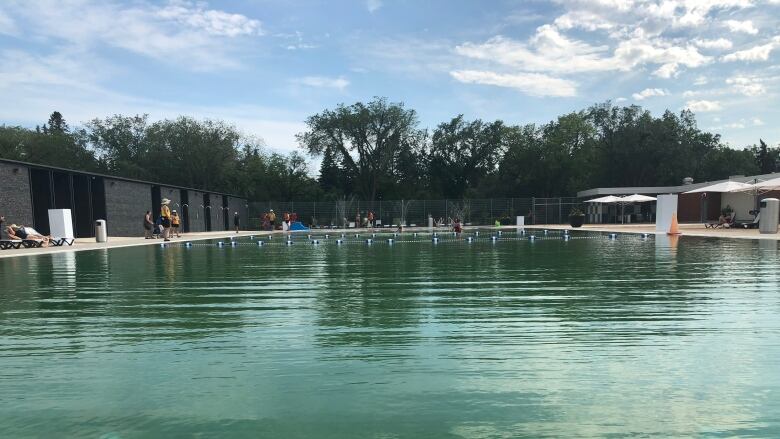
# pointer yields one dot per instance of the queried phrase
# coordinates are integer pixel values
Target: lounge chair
(59, 242)
(32, 243)
(6, 244)
(747, 224)
(726, 222)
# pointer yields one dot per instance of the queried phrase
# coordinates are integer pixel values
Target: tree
(463, 153)
(367, 137)
(57, 124)
(766, 158)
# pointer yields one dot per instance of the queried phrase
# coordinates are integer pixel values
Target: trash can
(101, 234)
(768, 215)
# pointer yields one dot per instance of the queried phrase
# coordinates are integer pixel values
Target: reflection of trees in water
(179, 293)
(366, 299)
(527, 290)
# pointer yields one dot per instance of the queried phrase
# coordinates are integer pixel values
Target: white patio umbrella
(725, 186)
(728, 186)
(607, 199)
(636, 198)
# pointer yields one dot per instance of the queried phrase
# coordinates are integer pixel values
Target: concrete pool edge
(696, 230)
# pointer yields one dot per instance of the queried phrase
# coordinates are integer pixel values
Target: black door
(207, 211)
(82, 207)
(225, 212)
(156, 202)
(98, 198)
(42, 199)
(184, 196)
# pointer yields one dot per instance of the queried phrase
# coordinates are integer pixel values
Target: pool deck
(686, 229)
(84, 244)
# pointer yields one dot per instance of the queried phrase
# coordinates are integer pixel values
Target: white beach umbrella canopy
(725, 186)
(607, 199)
(636, 198)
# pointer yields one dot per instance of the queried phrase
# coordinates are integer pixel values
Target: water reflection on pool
(587, 337)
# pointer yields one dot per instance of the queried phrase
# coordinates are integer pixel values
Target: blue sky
(265, 65)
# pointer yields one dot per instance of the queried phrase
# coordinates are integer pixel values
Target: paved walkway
(116, 242)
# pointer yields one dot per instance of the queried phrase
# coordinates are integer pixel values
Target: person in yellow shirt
(165, 214)
(175, 223)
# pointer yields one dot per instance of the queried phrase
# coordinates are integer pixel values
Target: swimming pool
(584, 337)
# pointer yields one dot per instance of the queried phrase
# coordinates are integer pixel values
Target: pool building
(28, 191)
(691, 208)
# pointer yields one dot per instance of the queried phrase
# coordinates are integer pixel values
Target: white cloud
(667, 70)
(653, 17)
(703, 105)
(7, 25)
(210, 21)
(757, 53)
(182, 33)
(639, 51)
(757, 122)
(747, 85)
(373, 5)
(533, 84)
(649, 92)
(741, 26)
(323, 82)
(700, 80)
(719, 44)
(547, 51)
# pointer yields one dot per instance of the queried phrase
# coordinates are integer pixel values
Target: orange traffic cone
(674, 229)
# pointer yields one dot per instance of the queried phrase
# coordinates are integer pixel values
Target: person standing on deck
(148, 225)
(357, 219)
(272, 219)
(175, 223)
(236, 221)
(165, 214)
(370, 216)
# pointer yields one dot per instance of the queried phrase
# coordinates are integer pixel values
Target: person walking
(165, 214)
(148, 225)
(176, 223)
(236, 221)
(272, 218)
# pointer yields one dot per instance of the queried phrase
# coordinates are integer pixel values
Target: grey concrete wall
(15, 199)
(238, 205)
(126, 204)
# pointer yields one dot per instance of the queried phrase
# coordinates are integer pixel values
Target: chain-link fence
(416, 212)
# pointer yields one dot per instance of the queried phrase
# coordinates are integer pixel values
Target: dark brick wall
(15, 202)
(126, 204)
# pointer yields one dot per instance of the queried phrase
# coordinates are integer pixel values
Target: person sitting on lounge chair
(27, 233)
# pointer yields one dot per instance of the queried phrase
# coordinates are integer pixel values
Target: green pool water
(589, 337)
